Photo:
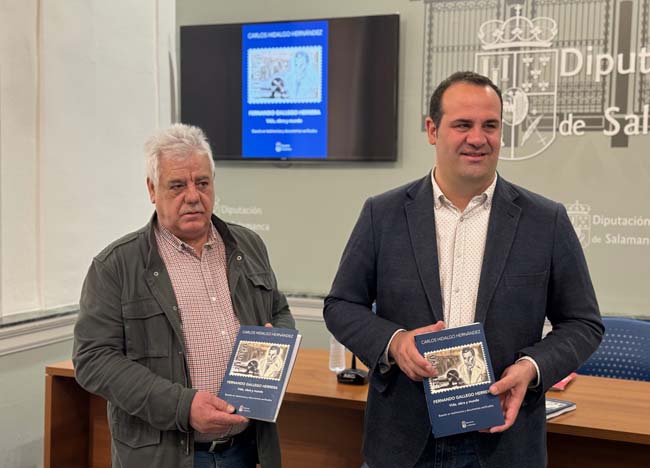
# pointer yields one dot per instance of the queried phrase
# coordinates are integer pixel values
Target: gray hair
(180, 141)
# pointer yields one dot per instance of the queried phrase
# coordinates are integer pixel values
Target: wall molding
(308, 309)
(39, 333)
(36, 334)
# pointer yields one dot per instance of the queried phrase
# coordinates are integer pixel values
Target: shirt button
(175, 308)
(239, 258)
(223, 333)
(214, 299)
(456, 290)
(155, 273)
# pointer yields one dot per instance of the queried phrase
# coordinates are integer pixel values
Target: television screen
(317, 90)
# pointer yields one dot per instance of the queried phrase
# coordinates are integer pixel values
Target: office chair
(624, 352)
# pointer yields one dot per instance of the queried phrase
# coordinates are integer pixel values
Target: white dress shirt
(461, 243)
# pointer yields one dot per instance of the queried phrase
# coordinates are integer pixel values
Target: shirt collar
(439, 198)
(178, 244)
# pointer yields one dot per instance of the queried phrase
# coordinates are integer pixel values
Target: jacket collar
(154, 261)
(157, 277)
(422, 233)
(502, 227)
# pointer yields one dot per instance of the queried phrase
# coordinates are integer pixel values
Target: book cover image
(259, 370)
(458, 399)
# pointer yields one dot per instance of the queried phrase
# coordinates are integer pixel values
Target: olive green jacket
(129, 349)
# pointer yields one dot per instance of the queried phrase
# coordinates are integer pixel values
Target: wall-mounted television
(313, 90)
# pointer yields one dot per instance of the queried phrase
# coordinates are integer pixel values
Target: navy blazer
(533, 268)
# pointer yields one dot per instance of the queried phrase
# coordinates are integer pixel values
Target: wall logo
(579, 216)
(594, 228)
(242, 215)
(559, 77)
(517, 55)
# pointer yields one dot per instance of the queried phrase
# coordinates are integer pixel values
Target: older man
(159, 312)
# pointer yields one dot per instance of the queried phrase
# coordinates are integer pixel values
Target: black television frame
(362, 122)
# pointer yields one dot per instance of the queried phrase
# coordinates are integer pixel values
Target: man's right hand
(211, 414)
(408, 358)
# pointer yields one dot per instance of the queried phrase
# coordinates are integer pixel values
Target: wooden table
(76, 427)
(609, 428)
(321, 422)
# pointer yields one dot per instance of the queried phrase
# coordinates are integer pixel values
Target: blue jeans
(448, 452)
(242, 455)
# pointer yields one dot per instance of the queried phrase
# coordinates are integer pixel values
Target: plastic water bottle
(337, 355)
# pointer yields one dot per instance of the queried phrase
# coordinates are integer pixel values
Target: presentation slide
(284, 90)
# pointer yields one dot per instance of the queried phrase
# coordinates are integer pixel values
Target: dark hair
(435, 104)
(468, 350)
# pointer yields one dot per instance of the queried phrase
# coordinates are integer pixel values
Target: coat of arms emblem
(581, 220)
(517, 56)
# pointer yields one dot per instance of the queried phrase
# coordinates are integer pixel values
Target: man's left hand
(511, 389)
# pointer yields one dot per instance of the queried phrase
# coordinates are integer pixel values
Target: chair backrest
(624, 352)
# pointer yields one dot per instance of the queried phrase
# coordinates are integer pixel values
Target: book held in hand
(258, 371)
(458, 399)
(555, 407)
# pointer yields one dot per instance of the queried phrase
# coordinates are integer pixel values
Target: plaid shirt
(209, 323)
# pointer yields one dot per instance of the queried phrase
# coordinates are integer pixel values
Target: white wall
(18, 161)
(82, 85)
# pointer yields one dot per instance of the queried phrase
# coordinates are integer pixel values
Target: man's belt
(220, 445)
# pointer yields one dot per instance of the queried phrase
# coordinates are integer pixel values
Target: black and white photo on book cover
(259, 369)
(460, 366)
(259, 359)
